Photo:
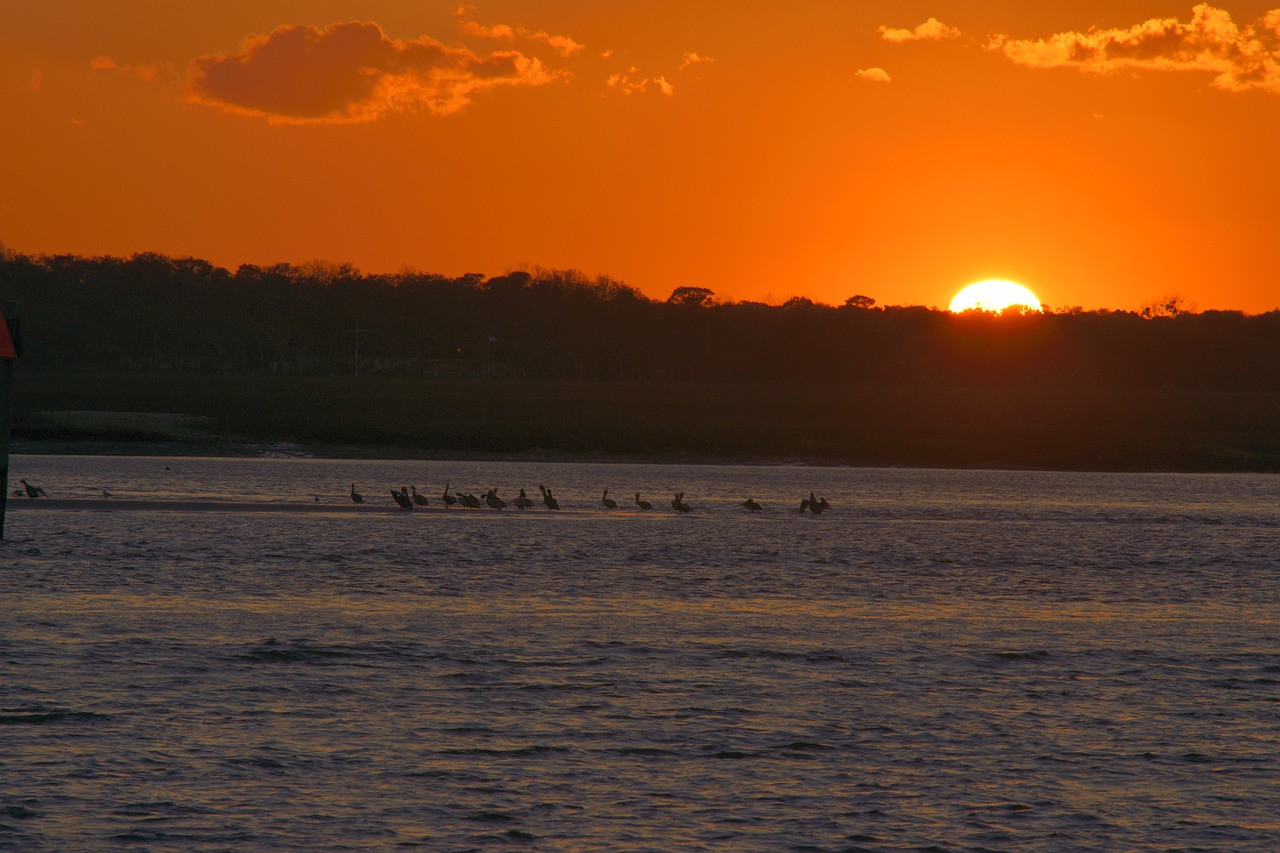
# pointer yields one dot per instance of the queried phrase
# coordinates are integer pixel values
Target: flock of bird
(408, 497)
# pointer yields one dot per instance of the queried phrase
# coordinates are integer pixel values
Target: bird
(642, 504)
(402, 497)
(420, 500)
(804, 505)
(547, 498)
(33, 491)
(469, 500)
(608, 501)
(492, 499)
(678, 504)
(449, 500)
(356, 497)
(107, 494)
(523, 502)
(750, 503)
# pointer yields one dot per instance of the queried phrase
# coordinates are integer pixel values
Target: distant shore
(1047, 426)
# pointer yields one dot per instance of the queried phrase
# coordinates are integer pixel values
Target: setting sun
(994, 295)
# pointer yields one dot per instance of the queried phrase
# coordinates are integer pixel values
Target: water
(947, 660)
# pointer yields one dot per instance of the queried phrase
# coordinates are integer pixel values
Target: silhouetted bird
(356, 497)
(678, 504)
(608, 501)
(33, 491)
(449, 500)
(492, 499)
(750, 503)
(402, 497)
(469, 500)
(642, 504)
(524, 501)
(420, 500)
(815, 505)
(547, 499)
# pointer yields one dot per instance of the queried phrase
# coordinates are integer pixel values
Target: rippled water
(947, 660)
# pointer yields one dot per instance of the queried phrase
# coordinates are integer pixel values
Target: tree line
(150, 313)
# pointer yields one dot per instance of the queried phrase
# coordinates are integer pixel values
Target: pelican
(678, 504)
(420, 500)
(608, 501)
(469, 500)
(523, 502)
(547, 497)
(402, 497)
(356, 497)
(804, 504)
(492, 499)
(32, 490)
(750, 503)
(817, 506)
(449, 500)
(642, 504)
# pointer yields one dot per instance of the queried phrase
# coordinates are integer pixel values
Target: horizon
(898, 150)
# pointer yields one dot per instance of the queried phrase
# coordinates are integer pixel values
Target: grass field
(1046, 427)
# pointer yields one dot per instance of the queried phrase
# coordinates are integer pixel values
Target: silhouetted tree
(697, 296)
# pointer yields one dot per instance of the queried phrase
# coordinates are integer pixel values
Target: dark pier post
(9, 343)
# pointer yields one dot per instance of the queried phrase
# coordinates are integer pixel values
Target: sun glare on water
(994, 295)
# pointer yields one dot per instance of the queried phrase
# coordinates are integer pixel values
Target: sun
(994, 295)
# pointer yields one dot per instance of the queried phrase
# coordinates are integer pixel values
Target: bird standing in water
(547, 498)
(420, 500)
(356, 497)
(642, 504)
(751, 504)
(449, 500)
(33, 491)
(678, 504)
(608, 501)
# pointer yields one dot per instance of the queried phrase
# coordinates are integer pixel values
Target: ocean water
(227, 654)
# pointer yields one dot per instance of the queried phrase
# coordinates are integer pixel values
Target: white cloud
(1241, 58)
(875, 75)
(930, 30)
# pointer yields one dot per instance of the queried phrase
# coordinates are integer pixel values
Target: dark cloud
(351, 72)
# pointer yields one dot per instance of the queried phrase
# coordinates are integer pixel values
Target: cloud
(497, 31)
(349, 73)
(627, 82)
(147, 73)
(1241, 58)
(564, 45)
(693, 58)
(930, 30)
(875, 75)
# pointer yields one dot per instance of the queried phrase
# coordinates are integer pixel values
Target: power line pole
(357, 331)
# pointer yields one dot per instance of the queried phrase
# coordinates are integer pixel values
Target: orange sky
(1102, 153)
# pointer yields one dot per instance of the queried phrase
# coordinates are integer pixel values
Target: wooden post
(9, 351)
